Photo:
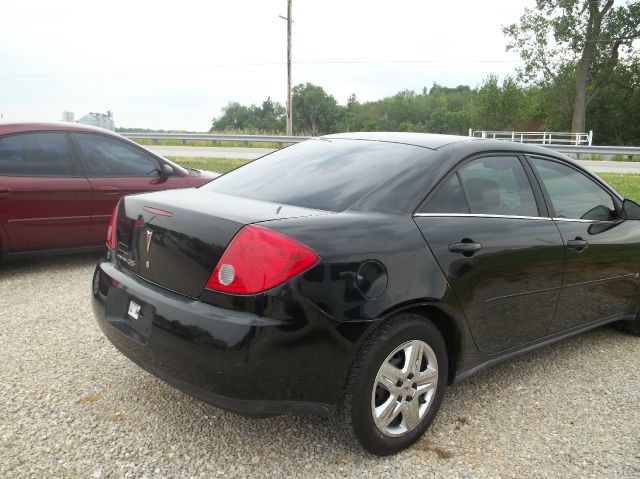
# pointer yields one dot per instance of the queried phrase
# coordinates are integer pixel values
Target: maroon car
(59, 184)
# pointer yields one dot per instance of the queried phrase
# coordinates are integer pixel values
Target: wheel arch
(443, 318)
(448, 329)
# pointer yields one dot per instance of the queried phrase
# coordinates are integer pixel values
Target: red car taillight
(258, 259)
(111, 231)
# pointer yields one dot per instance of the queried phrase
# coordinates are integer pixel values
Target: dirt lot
(71, 405)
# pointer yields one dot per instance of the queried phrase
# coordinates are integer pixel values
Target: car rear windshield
(320, 174)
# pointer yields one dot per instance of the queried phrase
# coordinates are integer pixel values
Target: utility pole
(289, 107)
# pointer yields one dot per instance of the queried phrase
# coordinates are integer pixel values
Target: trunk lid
(175, 238)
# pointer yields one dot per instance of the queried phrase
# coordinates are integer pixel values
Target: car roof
(22, 127)
(436, 141)
(431, 141)
(442, 154)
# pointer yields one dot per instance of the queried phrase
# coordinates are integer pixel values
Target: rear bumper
(236, 360)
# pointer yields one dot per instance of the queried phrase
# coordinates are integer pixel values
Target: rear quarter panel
(415, 281)
(344, 241)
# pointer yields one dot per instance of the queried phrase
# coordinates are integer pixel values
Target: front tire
(395, 385)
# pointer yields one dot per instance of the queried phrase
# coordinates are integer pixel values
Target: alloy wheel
(404, 388)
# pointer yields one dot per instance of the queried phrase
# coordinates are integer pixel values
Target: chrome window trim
(579, 220)
(513, 217)
(479, 215)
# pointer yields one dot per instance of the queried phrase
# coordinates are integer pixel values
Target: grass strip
(627, 184)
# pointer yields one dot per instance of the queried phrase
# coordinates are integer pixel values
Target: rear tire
(395, 386)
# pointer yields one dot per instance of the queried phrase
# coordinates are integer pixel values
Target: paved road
(612, 166)
(252, 153)
(210, 152)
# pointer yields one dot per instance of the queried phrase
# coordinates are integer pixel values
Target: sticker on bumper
(134, 310)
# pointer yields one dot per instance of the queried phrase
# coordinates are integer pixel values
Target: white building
(101, 120)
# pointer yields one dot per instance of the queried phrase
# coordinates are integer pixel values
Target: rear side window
(320, 174)
(495, 185)
(498, 186)
(109, 157)
(35, 154)
(448, 198)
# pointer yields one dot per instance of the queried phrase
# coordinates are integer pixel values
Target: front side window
(108, 157)
(572, 194)
(35, 154)
(498, 185)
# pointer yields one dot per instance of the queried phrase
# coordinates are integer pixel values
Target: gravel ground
(72, 406)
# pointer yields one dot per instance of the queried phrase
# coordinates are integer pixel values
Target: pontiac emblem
(149, 236)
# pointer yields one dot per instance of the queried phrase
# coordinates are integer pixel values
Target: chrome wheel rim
(404, 388)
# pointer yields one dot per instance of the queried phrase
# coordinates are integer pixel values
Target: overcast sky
(175, 65)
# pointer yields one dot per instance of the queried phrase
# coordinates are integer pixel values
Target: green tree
(314, 111)
(498, 106)
(348, 118)
(615, 114)
(487, 106)
(269, 117)
(234, 117)
(588, 38)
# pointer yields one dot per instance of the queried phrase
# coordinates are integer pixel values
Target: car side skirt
(492, 360)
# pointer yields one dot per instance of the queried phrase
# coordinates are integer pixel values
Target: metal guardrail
(184, 137)
(536, 137)
(596, 150)
(280, 140)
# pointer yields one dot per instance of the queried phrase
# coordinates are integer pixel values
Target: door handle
(467, 247)
(110, 190)
(4, 191)
(578, 244)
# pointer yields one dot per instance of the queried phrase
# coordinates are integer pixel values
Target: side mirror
(630, 210)
(166, 171)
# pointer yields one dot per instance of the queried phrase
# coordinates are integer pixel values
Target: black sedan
(357, 275)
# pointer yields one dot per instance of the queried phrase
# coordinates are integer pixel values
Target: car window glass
(448, 198)
(572, 194)
(35, 154)
(498, 186)
(108, 157)
(321, 174)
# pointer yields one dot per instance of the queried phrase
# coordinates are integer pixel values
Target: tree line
(581, 72)
(495, 104)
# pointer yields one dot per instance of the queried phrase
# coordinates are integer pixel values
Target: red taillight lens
(111, 231)
(258, 259)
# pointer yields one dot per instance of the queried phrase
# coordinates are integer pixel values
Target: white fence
(536, 137)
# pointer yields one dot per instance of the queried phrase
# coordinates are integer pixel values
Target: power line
(406, 61)
(251, 65)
